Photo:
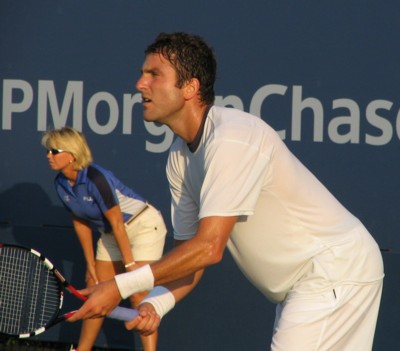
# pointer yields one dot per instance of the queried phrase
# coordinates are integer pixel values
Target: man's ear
(192, 88)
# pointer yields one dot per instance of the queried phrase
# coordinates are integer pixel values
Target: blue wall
(324, 74)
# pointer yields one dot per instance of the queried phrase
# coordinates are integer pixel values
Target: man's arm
(204, 249)
(182, 287)
(150, 316)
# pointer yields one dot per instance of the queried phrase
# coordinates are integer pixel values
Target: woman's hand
(91, 276)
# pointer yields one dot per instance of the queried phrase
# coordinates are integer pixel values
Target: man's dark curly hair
(191, 57)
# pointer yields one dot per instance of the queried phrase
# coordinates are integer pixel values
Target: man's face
(162, 100)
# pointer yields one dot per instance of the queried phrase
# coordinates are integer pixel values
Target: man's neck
(188, 125)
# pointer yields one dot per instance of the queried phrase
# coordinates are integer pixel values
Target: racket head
(31, 294)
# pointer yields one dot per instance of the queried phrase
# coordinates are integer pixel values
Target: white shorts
(343, 319)
(146, 234)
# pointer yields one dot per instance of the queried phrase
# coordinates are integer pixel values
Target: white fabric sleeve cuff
(139, 280)
(162, 299)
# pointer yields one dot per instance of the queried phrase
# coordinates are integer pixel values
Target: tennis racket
(32, 293)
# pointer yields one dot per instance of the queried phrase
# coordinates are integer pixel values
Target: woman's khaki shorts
(146, 235)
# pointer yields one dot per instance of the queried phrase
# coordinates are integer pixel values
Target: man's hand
(102, 299)
(147, 322)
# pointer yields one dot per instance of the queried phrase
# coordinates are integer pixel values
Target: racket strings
(29, 292)
(12, 287)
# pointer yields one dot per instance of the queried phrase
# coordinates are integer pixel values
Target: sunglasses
(54, 151)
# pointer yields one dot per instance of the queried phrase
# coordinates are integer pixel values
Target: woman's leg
(91, 327)
(149, 342)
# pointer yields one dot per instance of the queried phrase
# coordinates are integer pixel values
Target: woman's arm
(114, 217)
(85, 236)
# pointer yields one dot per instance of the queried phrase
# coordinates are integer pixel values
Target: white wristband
(162, 299)
(139, 280)
(130, 264)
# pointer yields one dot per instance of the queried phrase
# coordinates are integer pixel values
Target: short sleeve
(184, 209)
(235, 173)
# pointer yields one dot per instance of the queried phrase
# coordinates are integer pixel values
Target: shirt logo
(88, 199)
(67, 198)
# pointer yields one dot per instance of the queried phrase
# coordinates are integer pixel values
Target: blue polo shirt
(97, 190)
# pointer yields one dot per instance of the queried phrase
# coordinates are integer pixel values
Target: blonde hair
(70, 140)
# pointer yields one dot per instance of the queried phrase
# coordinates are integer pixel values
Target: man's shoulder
(229, 115)
(231, 123)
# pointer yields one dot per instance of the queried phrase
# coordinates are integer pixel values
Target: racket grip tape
(123, 314)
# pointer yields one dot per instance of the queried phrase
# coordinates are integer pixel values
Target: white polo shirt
(292, 233)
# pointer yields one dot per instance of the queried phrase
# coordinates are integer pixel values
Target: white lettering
(73, 95)
(352, 121)
(9, 85)
(398, 124)
(229, 101)
(102, 113)
(112, 103)
(379, 122)
(298, 105)
(261, 95)
(129, 102)
(157, 130)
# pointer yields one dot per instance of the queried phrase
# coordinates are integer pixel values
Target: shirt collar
(196, 141)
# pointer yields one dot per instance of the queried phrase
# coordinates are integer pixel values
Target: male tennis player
(234, 183)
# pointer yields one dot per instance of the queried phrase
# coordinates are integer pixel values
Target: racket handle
(123, 314)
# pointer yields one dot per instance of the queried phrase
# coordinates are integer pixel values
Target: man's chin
(149, 118)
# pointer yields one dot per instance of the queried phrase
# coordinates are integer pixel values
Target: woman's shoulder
(94, 169)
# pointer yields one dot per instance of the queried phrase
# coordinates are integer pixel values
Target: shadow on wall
(28, 204)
